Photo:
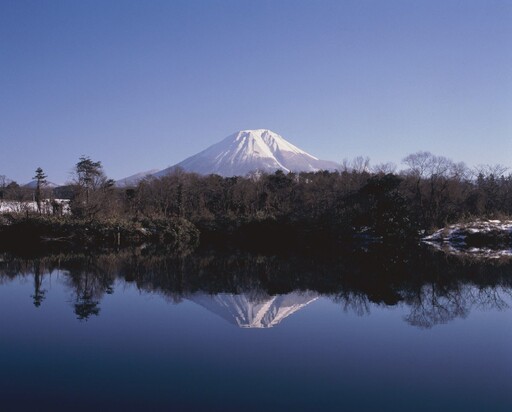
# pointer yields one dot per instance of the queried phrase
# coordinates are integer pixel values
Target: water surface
(366, 330)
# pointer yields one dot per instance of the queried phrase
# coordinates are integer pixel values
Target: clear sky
(143, 84)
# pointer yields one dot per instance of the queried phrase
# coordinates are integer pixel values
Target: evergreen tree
(40, 178)
(92, 190)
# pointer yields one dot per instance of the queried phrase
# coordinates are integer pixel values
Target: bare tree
(491, 170)
(384, 168)
(431, 180)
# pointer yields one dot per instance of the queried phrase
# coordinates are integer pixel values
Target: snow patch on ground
(454, 239)
(12, 206)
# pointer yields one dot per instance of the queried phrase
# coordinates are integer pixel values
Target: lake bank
(490, 238)
(66, 233)
(478, 238)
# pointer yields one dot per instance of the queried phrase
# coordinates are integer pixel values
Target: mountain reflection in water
(250, 311)
(259, 291)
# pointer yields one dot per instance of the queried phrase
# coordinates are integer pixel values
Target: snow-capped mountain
(133, 180)
(48, 185)
(251, 150)
(248, 311)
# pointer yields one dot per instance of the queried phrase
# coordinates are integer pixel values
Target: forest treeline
(288, 207)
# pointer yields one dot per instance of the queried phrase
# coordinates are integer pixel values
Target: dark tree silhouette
(40, 178)
(39, 293)
(92, 189)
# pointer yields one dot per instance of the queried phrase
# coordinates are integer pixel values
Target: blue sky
(144, 84)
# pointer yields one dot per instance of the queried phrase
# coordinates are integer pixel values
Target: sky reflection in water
(140, 332)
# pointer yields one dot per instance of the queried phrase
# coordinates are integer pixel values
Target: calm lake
(378, 329)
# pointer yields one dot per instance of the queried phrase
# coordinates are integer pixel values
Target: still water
(364, 330)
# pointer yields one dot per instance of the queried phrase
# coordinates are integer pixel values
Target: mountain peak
(243, 152)
(273, 141)
(251, 150)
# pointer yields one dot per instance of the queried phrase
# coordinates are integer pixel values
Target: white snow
(452, 239)
(11, 206)
(248, 311)
(251, 150)
(448, 233)
(476, 252)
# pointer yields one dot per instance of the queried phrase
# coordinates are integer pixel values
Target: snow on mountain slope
(251, 150)
(248, 311)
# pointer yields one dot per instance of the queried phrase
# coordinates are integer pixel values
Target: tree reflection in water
(432, 305)
(436, 288)
(89, 281)
(39, 292)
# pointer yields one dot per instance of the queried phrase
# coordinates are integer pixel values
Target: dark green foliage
(40, 178)
(383, 209)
